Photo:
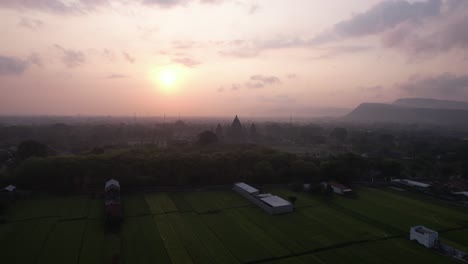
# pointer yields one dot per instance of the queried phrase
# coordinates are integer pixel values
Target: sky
(227, 57)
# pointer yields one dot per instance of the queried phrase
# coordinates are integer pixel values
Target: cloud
(35, 59)
(254, 8)
(421, 42)
(221, 89)
(241, 53)
(166, 3)
(183, 44)
(381, 17)
(12, 66)
(55, 6)
(76, 7)
(235, 87)
(128, 57)
(291, 76)
(117, 76)
(30, 23)
(108, 54)
(71, 58)
(260, 81)
(335, 51)
(445, 86)
(187, 62)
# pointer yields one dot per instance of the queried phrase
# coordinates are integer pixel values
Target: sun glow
(167, 77)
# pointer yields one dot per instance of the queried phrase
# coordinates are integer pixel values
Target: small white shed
(340, 188)
(112, 184)
(425, 236)
(9, 189)
(276, 205)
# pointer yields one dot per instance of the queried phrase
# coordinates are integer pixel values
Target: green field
(222, 227)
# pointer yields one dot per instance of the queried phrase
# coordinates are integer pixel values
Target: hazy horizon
(221, 58)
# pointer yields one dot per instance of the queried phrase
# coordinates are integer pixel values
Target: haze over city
(219, 58)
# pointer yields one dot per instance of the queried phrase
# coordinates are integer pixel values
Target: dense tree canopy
(31, 148)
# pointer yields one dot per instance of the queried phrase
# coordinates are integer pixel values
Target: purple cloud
(187, 62)
(12, 66)
(71, 58)
(128, 57)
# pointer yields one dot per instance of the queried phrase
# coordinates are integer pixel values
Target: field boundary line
(323, 249)
(82, 242)
(45, 242)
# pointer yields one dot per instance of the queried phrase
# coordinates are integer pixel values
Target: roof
(415, 183)
(246, 187)
(9, 188)
(112, 182)
(411, 183)
(423, 230)
(462, 193)
(275, 201)
(340, 186)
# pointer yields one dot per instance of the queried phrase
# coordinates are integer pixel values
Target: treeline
(216, 164)
(143, 167)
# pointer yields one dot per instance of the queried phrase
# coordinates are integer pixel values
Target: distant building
(413, 184)
(269, 203)
(236, 131)
(246, 189)
(8, 194)
(461, 195)
(113, 205)
(340, 188)
(424, 236)
(9, 189)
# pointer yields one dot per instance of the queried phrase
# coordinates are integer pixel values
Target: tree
(340, 134)
(305, 171)
(391, 168)
(263, 171)
(207, 138)
(31, 148)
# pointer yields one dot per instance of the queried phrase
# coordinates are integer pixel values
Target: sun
(167, 77)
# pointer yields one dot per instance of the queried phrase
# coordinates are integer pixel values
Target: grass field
(222, 227)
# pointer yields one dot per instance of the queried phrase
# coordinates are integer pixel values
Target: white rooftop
(274, 201)
(10, 188)
(423, 230)
(246, 187)
(112, 182)
(412, 183)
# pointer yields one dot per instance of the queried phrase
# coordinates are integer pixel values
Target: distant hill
(430, 103)
(394, 113)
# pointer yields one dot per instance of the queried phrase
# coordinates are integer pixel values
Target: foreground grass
(222, 227)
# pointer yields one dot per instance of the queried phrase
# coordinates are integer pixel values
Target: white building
(270, 203)
(241, 187)
(410, 183)
(340, 188)
(427, 237)
(275, 204)
(112, 184)
(9, 188)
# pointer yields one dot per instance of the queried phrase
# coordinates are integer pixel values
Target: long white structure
(411, 183)
(241, 187)
(270, 203)
(340, 188)
(425, 236)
